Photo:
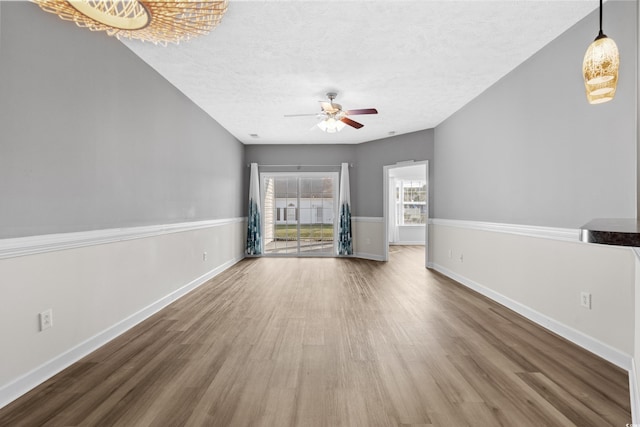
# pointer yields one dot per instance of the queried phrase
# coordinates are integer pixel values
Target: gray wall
(368, 160)
(531, 150)
(92, 138)
(372, 156)
(302, 154)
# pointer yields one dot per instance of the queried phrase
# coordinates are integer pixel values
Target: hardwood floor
(332, 342)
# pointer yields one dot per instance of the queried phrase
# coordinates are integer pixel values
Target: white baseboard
(20, 386)
(634, 394)
(587, 342)
(416, 243)
(372, 257)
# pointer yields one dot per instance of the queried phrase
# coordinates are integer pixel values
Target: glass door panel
(300, 213)
(307, 238)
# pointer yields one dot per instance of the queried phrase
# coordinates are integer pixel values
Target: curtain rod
(300, 166)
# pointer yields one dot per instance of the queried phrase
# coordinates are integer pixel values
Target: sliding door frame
(336, 187)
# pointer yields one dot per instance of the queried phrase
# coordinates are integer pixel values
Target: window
(411, 202)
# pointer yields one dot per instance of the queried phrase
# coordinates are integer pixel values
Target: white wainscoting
(10, 248)
(540, 272)
(634, 394)
(99, 284)
(410, 235)
(634, 376)
(368, 237)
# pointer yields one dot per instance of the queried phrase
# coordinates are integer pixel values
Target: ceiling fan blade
(362, 111)
(351, 122)
(301, 115)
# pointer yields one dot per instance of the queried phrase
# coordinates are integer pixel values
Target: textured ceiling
(417, 62)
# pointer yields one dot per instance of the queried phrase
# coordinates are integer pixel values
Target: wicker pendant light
(600, 68)
(160, 22)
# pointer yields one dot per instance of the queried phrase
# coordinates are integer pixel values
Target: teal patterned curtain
(254, 231)
(345, 243)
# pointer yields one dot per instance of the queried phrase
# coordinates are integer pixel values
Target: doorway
(299, 213)
(406, 205)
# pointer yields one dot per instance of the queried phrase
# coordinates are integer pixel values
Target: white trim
(634, 394)
(564, 234)
(372, 257)
(21, 246)
(385, 204)
(375, 219)
(403, 243)
(298, 175)
(37, 376)
(591, 344)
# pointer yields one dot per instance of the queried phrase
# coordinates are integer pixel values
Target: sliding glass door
(299, 211)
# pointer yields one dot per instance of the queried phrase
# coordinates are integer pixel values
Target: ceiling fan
(334, 118)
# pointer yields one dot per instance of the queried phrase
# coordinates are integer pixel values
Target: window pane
(327, 232)
(306, 187)
(415, 213)
(412, 208)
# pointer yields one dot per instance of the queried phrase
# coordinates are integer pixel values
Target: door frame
(385, 209)
(336, 194)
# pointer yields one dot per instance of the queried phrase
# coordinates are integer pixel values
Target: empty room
(319, 213)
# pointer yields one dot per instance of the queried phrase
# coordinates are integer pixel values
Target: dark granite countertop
(612, 231)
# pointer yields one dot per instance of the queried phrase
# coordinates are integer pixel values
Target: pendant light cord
(601, 35)
(600, 16)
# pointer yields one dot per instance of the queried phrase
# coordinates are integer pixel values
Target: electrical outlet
(585, 300)
(46, 319)
(204, 256)
(461, 258)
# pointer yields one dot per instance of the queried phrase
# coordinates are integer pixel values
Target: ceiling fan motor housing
(334, 118)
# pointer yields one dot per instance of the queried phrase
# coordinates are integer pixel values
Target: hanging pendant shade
(157, 21)
(600, 68)
(602, 92)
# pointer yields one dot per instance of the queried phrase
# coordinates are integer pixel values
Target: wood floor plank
(332, 342)
(562, 400)
(279, 409)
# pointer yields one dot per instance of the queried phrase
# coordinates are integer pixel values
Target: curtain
(345, 244)
(254, 232)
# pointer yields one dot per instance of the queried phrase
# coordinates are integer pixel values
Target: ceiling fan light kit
(600, 68)
(331, 125)
(334, 118)
(159, 22)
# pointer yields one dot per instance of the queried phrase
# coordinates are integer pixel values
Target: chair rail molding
(31, 245)
(563, 234)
